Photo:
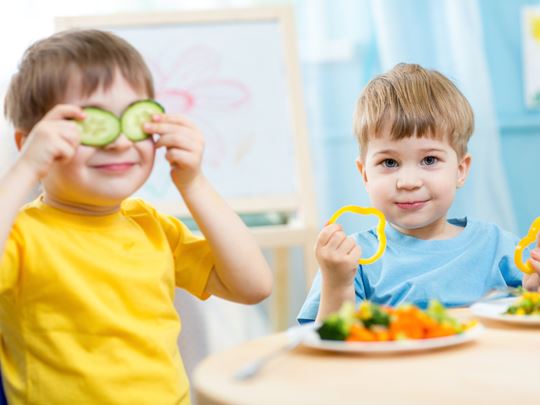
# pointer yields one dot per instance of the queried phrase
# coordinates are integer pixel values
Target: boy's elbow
(260, 293)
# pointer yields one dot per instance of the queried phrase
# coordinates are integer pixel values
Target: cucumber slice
(136, 115)
(99, 128)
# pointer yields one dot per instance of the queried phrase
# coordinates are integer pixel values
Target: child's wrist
(26, 170)
(336, 286)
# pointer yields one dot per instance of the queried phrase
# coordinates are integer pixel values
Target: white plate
(494, 310)
(310, 338)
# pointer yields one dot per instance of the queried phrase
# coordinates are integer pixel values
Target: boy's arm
(338, 257)
(53, 139)
(241, 273)
(15, 186)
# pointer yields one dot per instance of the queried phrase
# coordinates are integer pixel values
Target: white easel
(299, 204)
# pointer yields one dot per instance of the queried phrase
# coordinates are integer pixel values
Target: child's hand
(532, 281)
(53, 139)
(337, 255)
(184, 143)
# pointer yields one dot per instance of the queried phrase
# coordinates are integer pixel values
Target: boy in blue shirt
(413, 126)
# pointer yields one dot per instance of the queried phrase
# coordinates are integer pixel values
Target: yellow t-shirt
(86, 306)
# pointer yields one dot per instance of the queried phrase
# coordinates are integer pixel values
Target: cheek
(147, 151)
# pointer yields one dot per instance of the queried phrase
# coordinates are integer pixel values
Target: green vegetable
(136, 115)
(99, 128)
(438, 312)
(102, 127)
(337, 325)
(378, 317)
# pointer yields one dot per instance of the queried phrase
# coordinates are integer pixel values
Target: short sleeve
(193, 258)
(513, 277)
(310, 308)
(10, 261)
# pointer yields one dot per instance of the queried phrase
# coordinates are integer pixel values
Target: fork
(497, 293)
(252, 369)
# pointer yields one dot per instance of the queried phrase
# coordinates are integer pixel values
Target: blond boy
(413, 126)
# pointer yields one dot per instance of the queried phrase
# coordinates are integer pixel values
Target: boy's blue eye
(389, 163)
(430, 160)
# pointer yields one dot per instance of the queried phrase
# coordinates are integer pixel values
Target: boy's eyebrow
(384, 152)
(426, 150)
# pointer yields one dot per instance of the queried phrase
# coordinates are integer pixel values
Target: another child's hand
(337, 255)
(184, 143)
(53, 139)
(532, 281)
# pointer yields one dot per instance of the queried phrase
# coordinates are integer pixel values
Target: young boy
(87, 276)
(413, 126)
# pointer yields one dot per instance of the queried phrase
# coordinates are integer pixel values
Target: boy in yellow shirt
(87, 276)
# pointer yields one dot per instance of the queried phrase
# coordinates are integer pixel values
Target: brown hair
(50, 65)
(412, 101)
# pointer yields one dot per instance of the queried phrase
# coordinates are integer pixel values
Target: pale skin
(52, 148)
(413, 182)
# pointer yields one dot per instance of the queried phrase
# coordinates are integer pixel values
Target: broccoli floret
(334, 328)
(337, 325)
(378, 317)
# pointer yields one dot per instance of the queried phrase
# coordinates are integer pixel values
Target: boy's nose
(408, 181)
(122, 142)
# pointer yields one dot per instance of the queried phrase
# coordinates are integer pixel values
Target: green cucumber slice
(99, 128)
(136, 115)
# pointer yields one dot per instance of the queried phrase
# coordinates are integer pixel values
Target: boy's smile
(413, 182)
(411, 205)
(97, 180)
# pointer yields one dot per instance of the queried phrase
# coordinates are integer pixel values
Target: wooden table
(501, 367)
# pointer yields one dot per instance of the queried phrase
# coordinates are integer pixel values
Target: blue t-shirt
(455, 271)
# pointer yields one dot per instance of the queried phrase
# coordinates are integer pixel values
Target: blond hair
(412, 101)
(50, 65)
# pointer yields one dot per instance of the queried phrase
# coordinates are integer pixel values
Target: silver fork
(252, 369)
(498, 293)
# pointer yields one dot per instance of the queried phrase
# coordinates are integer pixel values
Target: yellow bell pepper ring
(380, 227)
(532, 235)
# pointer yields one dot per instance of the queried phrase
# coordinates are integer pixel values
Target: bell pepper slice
(531, 237)
(380, 228)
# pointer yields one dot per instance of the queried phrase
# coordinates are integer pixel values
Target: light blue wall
(332, 88)
(520, 127)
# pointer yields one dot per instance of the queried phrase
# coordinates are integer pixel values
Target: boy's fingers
(174, 119)
(66, 152)
(336, 240)
(347, 245)
(160, 127)
(326, 233)
(65, 111)
(181, 142)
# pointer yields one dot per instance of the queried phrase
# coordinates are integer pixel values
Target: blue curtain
(359, 39)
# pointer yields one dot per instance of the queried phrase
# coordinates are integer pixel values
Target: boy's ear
(463, 169)
(362, 169)
(20, 137)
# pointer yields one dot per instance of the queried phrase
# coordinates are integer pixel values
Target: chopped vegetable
(374, 323)
(527, 304)
(337, 326)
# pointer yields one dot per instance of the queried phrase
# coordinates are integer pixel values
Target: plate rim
(311, 339)
(476, 309)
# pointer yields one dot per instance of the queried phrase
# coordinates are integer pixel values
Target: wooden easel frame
(301, 229)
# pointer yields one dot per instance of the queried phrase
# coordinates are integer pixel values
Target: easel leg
(310, 262)
(280, 297)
